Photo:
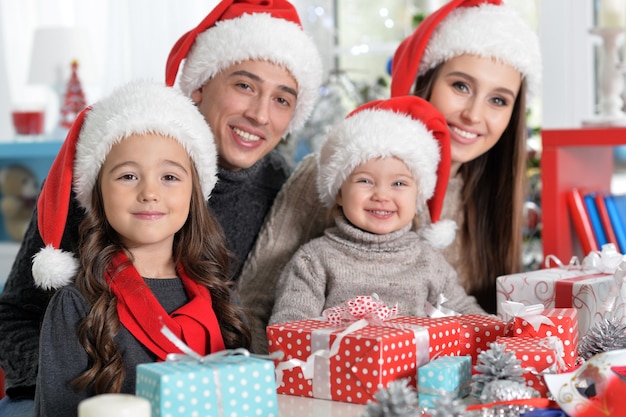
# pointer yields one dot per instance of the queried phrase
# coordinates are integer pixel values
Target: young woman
(142, 167)
(386, 162)
(475, 60)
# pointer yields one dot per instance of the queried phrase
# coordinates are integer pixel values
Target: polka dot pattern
(239, 386)
(451, 374)
(533, 355)
(444, 333)
(565, 328)
(477, 331)
(366, 359)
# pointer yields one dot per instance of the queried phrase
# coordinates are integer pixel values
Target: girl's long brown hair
(199, 246)
(494, 186)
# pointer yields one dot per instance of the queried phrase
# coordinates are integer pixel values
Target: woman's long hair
(492, 199)
(199, 246)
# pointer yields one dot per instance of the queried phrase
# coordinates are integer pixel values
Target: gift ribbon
(362, 307)
(599, 263)
(574, 263)
(440, 391)
(439, 310)
(556, 344)
(532, 313)
(605, 261)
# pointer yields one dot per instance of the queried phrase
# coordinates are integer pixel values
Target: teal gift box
(451, 374)
(225, 386)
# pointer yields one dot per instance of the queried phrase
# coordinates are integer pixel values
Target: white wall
(568, 54)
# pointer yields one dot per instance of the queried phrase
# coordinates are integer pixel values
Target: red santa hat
(240, 30)
(137, 108)
(486, 28)
(408, 128)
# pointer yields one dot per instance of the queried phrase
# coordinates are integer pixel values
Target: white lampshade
(54, 49)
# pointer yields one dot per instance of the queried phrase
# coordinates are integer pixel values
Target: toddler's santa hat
(486, 28)
(140, 107)
(408, 128)
(240, 30)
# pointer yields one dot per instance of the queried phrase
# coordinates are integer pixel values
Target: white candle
(114, 405)
(612, 14)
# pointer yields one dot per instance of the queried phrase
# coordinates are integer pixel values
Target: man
(254, 75)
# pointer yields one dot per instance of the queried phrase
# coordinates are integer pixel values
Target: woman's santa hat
(140, 107)
(408, 128)
(241, 30)
(485, 28)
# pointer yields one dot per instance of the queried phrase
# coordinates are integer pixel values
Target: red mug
(28, 122)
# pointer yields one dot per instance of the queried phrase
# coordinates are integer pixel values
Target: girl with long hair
(141, 163)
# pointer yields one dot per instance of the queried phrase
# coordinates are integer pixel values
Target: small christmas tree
(74, 101)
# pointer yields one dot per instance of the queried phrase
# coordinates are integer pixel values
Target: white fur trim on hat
(138, 108)
(487, 30)
(375, 133)
(257, 36)
(439, 234)
(53, 268)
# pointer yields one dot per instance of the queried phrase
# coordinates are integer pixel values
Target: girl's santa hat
(485, 28)
(241, 30)
(137, 108)
(408, 128)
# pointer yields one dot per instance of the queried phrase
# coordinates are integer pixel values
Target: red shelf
(582, 158)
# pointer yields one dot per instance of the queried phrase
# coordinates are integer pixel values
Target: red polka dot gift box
(559, 322)
(350, 363)
(477, 331)
(538, 356)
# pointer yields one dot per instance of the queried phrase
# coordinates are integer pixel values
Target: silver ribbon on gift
(555, 344)
(438, 310)
(532, 313)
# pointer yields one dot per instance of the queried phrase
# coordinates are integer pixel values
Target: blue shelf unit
(36, 156)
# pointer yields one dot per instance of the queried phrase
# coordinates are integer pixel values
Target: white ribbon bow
(532, 313)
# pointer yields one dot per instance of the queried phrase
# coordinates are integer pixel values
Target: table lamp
(61, 58)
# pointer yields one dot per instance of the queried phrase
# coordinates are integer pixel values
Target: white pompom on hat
(140, 107)
(485, 28)
(240, 30)
(408, 128)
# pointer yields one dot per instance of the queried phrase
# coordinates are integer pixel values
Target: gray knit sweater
(347, 262)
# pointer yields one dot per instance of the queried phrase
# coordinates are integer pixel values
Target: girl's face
(477, 96)
(146, 185)
(249, 107)
(380, 196)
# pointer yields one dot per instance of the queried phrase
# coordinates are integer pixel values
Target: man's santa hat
(137, 108)
(408, 128)
(485, 28)
(241, 30)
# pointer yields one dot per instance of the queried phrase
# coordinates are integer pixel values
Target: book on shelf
(581, 220)
(598, 218)
(605, 219)
(594, 219)
(616, 208)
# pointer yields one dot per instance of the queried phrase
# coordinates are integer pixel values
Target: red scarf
(141, 313)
